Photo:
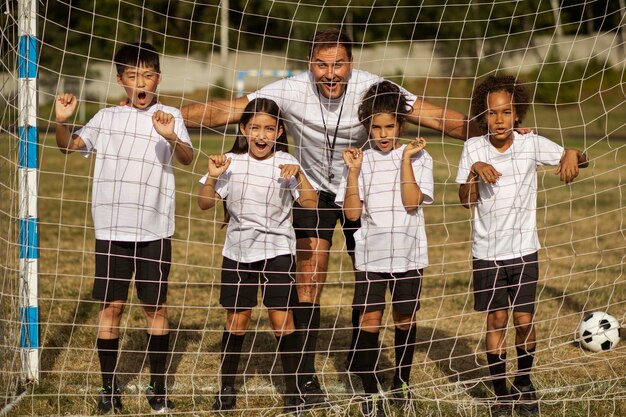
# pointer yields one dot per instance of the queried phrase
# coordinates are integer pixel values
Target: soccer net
(570, 53)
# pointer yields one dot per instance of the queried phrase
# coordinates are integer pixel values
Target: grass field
(581, 228)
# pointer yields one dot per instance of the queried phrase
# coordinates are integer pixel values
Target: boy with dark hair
(498, 178)
(133, 210)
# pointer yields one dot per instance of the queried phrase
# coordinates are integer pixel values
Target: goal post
(28, 189)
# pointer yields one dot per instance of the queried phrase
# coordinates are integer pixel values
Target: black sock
(290, 347)
(158, 348)
(365, 359)
(107, 353)
(231, 352)
(404, 349)
(497, 369)
(307, 320)
(356, 315)
(525, 360)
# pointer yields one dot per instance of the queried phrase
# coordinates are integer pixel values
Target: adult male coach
(320, 109)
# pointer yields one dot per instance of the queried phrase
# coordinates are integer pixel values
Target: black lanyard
(330, 150)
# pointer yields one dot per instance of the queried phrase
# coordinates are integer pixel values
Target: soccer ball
(599, 332)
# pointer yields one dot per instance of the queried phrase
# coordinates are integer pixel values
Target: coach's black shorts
(370, 289)
(320, 223)
(501, 284)
(240, 283)
(117, 261)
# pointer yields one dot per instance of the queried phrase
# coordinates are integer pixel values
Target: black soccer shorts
(117, 261)
(499, 285)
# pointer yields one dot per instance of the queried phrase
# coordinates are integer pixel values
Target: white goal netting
(571, 54)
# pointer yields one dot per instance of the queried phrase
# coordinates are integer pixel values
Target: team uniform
(505, 241)
(260, 237)
(133, 201)
(321, 129)
(391, 247)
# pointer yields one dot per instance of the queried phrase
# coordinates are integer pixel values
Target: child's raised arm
(412, 195)
(571, 161)
(207, 197)
(164, 124)
(64, 107)
(308, 196)
(352, 205)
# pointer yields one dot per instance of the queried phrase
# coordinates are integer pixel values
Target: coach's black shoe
(312, 393)
(292, 405)
(159, 403)
(226, 399)
(525, 400)
(373, 407)
(109, 400)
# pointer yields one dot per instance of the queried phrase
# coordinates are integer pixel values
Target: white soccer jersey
(313, 119)
(133, 196)
(505, 218)
(259, 203)
(390, 239)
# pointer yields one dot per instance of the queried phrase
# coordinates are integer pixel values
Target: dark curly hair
(384, 97)
(495, 83)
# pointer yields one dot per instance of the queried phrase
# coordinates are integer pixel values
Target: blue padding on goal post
(27, 57)
(27, 151)
(29, 337)
(29, 248)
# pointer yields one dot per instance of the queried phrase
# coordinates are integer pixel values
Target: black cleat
(226, 399)
(159, 403)
(312, 392)
(109, 400)
(525, 400)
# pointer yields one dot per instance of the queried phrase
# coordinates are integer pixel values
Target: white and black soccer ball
(599, 331)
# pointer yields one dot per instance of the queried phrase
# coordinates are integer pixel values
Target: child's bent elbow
(352, 215)
(206, 203)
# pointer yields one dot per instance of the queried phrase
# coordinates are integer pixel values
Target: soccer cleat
(373, 407)
(109, 400)
(501, 409)
(312, 392)
(292, 405)
(159, 403)
(401, 394)
(525, 400)
(226, 399)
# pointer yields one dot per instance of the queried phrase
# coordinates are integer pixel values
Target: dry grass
(581, 229)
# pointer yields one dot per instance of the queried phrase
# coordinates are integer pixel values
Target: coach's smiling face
(331, 67)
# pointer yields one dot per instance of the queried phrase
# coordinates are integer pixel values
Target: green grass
(581, 227)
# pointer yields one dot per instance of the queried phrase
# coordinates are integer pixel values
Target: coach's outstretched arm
(214, 113)
(450, 122)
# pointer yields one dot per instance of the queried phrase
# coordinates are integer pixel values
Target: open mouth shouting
(331, 88)
(260, 148)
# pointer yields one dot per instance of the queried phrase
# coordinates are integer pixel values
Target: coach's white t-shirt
(390, 239)
(259, 203)
(312, 120)
(133, 196)
(505, 219)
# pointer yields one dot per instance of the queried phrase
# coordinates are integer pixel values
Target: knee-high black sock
(365, 359)
(404, 348)
(231, 353)
(525, 360)
(290, 347)
(356, 315)
(307, 320)
(107, 353)
(497, 369)
(158, 348)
